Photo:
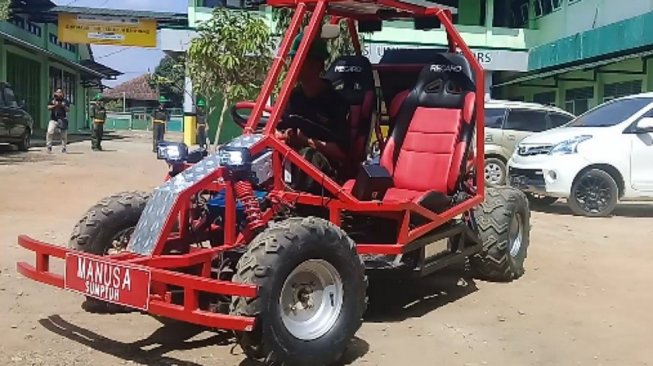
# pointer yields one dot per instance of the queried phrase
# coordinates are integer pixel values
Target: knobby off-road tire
(503, 225)
(309, 250)
(105, 229)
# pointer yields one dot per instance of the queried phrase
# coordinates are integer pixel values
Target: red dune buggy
(226, 243)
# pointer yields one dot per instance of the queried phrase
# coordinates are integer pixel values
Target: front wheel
(312, 293)
(495, 172)
(25, 142)
(106, 229)
(503, 226)
(594, 194)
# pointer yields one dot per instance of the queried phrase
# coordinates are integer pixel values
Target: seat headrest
(351, 77)
(445, 82)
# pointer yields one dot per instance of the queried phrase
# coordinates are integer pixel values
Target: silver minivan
(506, 124)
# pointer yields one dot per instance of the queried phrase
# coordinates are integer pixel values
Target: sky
(132, 61)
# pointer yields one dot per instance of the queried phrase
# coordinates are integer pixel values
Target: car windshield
(611, 113)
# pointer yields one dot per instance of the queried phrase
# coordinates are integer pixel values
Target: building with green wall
(585, 52)
(35, 63)
(571, 53)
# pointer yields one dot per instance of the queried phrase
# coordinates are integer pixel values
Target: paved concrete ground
(584, 300)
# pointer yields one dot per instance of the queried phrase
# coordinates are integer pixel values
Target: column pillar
(489, 14)
(3, 60)
(648, 78)
(488, 84)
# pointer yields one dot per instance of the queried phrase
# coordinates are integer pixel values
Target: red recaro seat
(426, 151)
(352, 77)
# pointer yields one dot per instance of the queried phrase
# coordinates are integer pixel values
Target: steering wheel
(241, 119)
(309, 128)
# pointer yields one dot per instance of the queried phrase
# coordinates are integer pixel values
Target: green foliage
(4, 9)
(168, 79)
(114, 105)
(342, 45)
(230, 56)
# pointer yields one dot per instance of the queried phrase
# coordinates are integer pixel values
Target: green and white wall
(34, 62)
(586, 52)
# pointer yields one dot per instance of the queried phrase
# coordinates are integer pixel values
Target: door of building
(24, 75)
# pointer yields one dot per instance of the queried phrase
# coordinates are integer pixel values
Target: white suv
(599, 158)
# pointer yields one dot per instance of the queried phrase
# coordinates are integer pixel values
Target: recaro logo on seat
(348, 69)
(446, 68)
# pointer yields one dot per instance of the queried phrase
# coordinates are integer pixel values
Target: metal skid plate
(158, 208)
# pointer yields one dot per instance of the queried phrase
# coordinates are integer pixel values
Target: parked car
(599, 158)
(506, 124)
(16, 125)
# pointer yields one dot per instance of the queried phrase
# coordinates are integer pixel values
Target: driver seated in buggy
(315, 101)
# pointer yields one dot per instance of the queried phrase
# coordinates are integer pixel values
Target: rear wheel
(495, 172)
(312, 293)
(503, 225)
(106, 229)
(594, 194)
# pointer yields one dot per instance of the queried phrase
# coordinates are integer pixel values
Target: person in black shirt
(314, 99)
(159, 119)
(59, 108)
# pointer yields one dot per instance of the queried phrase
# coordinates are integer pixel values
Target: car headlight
(235, 158)
(172, 151)
(569, 146)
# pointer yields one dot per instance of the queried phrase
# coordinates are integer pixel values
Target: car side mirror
(645, 125)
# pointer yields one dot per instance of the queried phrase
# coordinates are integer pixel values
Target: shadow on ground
(9, 155)
(389, 302)
(622, 210)
(395, 301)
(148, 351)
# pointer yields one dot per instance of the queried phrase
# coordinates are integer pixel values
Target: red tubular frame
(164, 268)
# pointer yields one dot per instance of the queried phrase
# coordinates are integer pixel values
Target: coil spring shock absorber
(245, 193)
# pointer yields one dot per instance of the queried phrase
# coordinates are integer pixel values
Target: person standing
(160, 118)
(202, 124)
(59, 108)
(99, 116)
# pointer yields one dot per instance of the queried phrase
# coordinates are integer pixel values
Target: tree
(342, 45)
(4, 9)
(168, 78)
(230, 57)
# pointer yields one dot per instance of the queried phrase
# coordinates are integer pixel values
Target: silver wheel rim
(311, 299)
(493, 173)
(515, 235)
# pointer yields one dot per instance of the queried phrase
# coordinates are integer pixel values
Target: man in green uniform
(160, 118)
(99, 116)
(201, 123)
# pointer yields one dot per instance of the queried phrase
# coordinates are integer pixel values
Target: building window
(510, 13)
(60, 79)
(34, 29)
(17, 21)
(618, 90)
(579, 100)
(544, 7)
(546, 98)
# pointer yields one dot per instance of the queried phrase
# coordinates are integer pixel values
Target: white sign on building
(491, 60)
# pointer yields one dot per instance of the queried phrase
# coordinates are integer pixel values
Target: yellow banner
(105, 30)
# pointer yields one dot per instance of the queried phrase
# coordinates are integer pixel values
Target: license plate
(115, 283)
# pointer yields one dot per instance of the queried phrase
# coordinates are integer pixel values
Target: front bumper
(145, 287)
(551, 175)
